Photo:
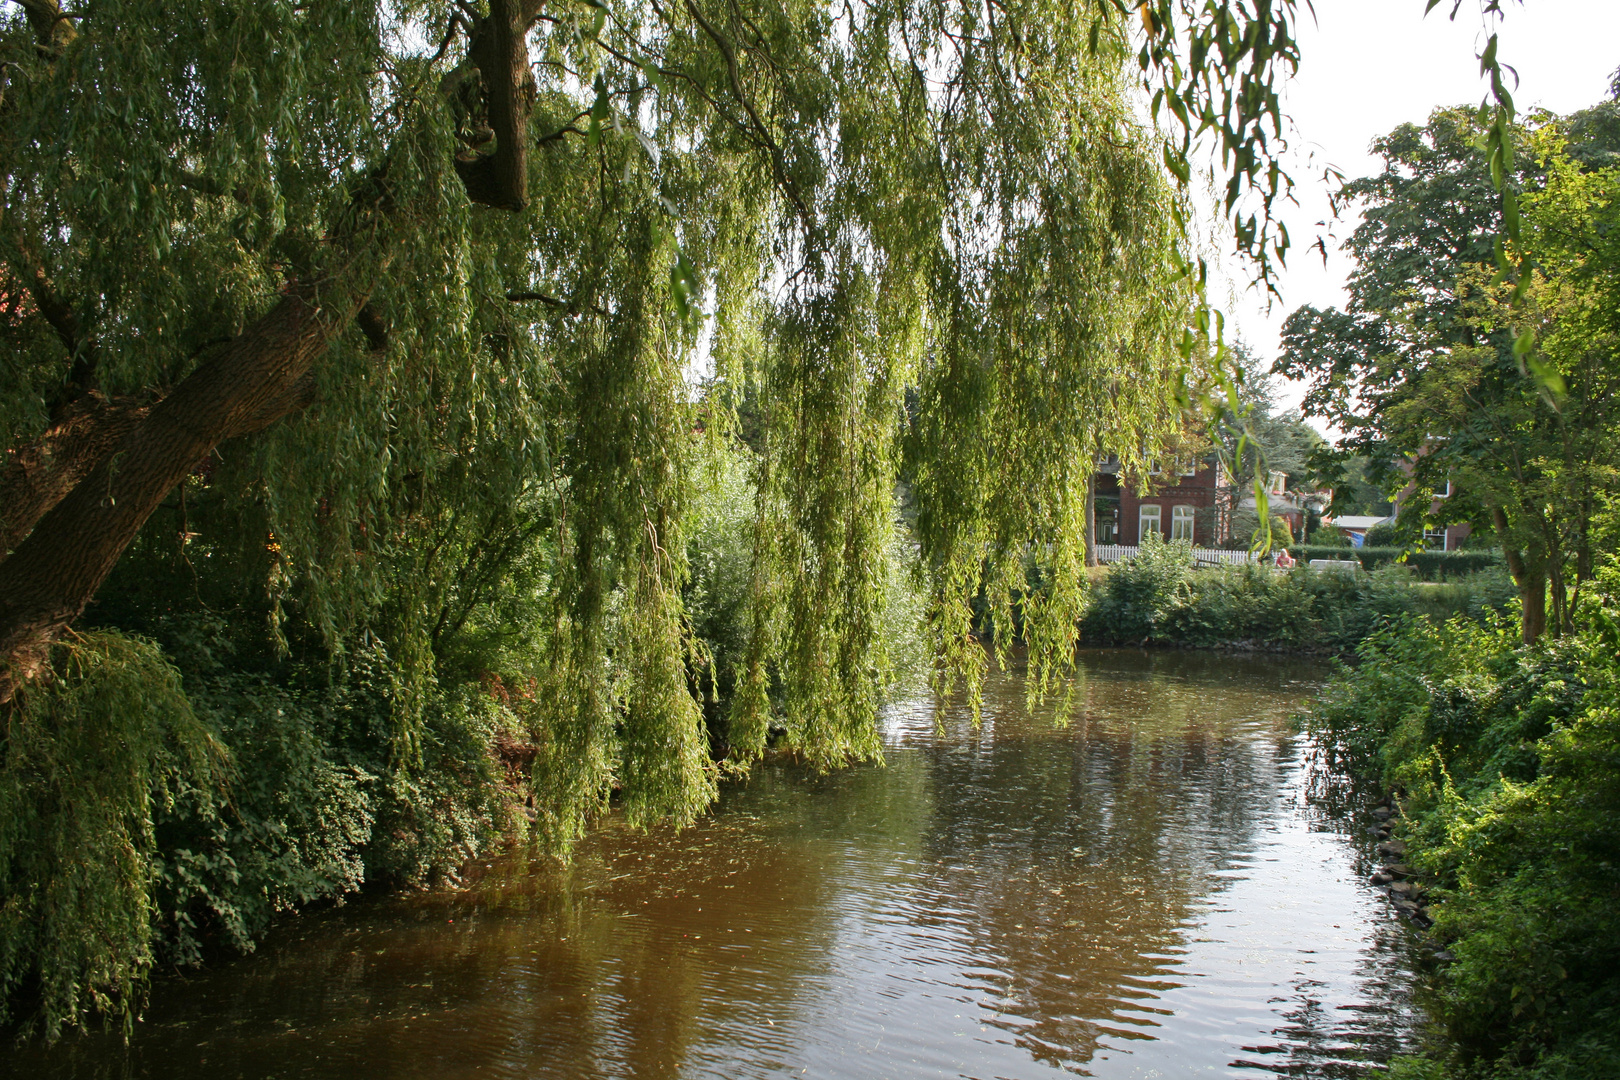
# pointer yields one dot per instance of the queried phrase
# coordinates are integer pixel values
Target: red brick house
(1189, 503)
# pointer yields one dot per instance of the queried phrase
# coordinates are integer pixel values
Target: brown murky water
(1143, 893)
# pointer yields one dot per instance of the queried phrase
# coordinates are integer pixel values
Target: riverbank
(1160, 597)
(1500, 764)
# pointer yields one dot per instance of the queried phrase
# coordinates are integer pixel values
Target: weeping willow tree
(408, 276)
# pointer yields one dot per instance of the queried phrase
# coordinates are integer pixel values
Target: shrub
(158, 801)
(1507, 762)
(1428, 565)
(1157, 596)
(1139, 595)
(1380, 536)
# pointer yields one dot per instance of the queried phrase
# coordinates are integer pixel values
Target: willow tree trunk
(39, 475)
(75, 519)
(47, 581)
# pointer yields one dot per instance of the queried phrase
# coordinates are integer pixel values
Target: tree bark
(1529, 574)
(1091, 519)
(262, 375)
(37, 476)
(1533, 607)
(52, 29)
(499, 52)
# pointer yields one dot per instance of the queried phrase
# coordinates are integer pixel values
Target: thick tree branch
(115, 474)
(37, 476)
(744, 99)
(260, 376)
(499, 52)
(64, 322)
(52, 28)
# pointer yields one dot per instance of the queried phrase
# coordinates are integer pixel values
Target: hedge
(1430, 565)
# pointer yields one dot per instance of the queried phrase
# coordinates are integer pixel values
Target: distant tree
(1348, 475)
(1256, 438)
(1280, 440)
(1421, 370)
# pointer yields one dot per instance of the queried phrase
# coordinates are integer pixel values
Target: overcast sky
(1369, 65)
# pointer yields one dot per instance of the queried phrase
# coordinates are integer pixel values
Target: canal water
(1144, 891)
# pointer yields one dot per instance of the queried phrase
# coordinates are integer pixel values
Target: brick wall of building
(1119, 508)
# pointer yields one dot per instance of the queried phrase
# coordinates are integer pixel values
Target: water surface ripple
(1142, 892)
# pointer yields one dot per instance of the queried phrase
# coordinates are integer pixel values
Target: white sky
(1369, 65)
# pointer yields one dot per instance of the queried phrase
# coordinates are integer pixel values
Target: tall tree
(1422, 371)
(325, 244)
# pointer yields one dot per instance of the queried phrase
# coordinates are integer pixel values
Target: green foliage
(130, 842)
(720, 554)
(1448, 377)
(1270, 441)
(93, 758)
(1507, 760)
(321, 804)
(1382, 537)
(505, 496)
(1349, 474)
(1425, 565)
(1160, 596)
(1004, 236)
(1139, 596)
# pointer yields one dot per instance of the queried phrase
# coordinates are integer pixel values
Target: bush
(1380, 536)
(1140, 594)
(90, 758)
(1506, 759)
(161, 798)
(1158, 596)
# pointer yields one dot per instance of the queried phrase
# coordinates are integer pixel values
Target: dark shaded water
(1143, 893)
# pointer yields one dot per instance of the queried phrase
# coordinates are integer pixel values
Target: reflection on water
(1139, 893)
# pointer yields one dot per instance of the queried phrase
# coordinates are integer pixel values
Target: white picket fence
(1109, 553)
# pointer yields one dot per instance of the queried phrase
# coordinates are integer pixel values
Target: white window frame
(1433, 536)
(1181, 523)
(1149, 512)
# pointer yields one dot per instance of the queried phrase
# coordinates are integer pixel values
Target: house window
(1434, 539)
(1147, 521)
(1181, 523)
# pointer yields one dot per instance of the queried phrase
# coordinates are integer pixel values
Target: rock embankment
(1398, 880)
